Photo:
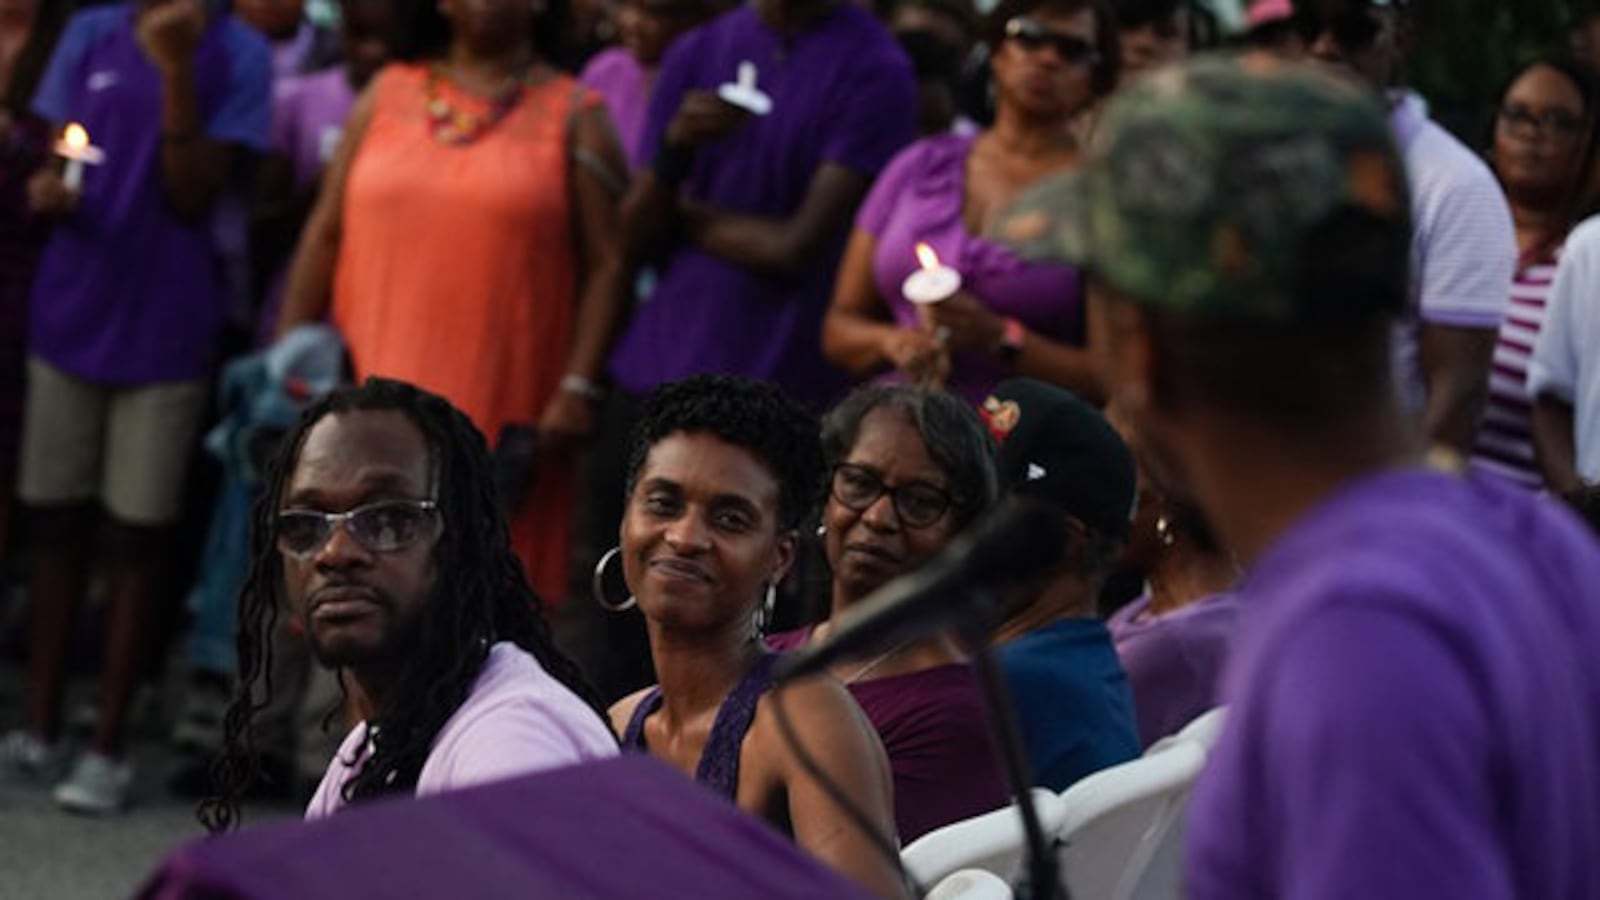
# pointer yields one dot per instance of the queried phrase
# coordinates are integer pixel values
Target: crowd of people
(559, 389)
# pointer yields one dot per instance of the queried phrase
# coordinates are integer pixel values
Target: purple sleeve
(244, 116)
(674, 80)
(286, 96)
(875, 121)
(53, 99)
(1372, 738)
(880, 202)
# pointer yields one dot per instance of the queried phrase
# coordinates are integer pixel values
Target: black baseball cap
(1056, 448)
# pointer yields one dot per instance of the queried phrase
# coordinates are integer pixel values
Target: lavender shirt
(1415, 703)
(932, 724)
(625, 85)
(308, 113)
(518, 720)
(919, 198)
(842, 93)
(1174, 660)
(127, 292)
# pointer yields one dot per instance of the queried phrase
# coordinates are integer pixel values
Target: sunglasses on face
(1553, 123)
(917, 503)
(383, 527)
(1032, 36)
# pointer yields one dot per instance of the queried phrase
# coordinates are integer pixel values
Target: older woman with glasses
(1052, 60)
(910, 469)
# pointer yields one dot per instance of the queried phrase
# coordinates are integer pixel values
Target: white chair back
(971, 884)
(1203, 729)
(993, 842)
(1121, 831)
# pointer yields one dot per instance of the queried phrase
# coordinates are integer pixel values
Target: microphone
(1019, 541)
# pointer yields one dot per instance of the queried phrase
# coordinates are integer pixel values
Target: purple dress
(1173, 661)
(919, 199)
(1414, 703)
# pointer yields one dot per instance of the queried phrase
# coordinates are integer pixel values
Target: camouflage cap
(1224, 187)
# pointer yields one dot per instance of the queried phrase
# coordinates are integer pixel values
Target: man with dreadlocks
(380, 529)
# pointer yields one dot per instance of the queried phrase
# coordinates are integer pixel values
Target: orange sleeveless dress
(458, 272)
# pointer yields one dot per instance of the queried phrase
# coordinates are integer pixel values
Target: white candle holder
(744, 94)
(75, 148)
(933, 282)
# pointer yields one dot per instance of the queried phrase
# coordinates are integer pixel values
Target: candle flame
(926, 256)
(75, 136)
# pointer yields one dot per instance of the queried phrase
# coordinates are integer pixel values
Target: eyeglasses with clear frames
(383, 527)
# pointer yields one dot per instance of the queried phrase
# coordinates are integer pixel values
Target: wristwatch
(1011, 338)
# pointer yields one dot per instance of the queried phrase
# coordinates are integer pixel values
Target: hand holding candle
(744, 94)
(75, 148)
(930, 284)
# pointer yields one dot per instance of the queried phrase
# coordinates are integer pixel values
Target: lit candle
(744, 94)
(75, 148)
(933, 281)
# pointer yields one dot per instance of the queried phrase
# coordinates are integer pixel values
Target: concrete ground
(46, 853)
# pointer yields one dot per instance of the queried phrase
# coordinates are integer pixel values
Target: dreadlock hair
(481, 596)
(753, 415)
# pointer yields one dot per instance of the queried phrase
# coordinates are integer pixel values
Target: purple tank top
(718, 768)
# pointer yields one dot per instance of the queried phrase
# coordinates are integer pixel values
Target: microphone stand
(1042, 881)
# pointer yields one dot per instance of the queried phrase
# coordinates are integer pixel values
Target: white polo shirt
(1566, 358)
(1463, 242)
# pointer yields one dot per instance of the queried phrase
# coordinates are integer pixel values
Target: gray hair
(955, 437)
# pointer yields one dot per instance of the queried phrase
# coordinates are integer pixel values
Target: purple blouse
(1173, 660)
(919, 197)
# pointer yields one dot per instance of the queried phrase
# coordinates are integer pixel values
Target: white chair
(971, 884)
(1122, 828)
(1203, 729)
(1206, 727)
(993, 842)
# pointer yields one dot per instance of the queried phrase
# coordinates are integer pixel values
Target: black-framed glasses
(382, 527)
(919, 504)
(1031, 35)
(1552, 122)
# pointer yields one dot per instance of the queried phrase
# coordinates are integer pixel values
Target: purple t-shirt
(1414, 699)
(932, 724)
(518, 720)
(842, 93)
(127, 293)
(919, 199)
(1174, 660)
(308, 113)
(625, 85)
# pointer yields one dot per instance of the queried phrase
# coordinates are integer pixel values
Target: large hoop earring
(763, 617)
(597, 585)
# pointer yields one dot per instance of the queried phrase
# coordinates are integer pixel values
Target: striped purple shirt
(1505, 436)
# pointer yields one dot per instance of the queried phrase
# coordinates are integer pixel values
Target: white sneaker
(98, 785)
(26, 754)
